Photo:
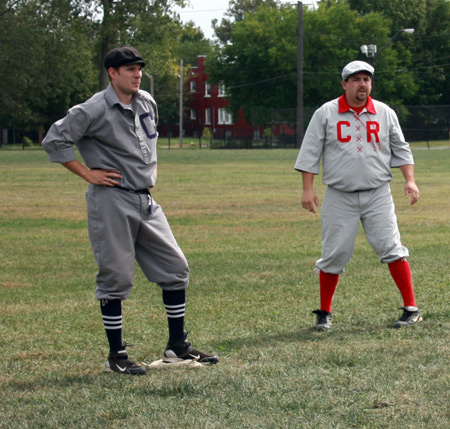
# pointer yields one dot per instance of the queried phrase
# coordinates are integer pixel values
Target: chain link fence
(424, 123)
(419, 124)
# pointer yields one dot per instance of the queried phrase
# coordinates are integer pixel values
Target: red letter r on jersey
(373, 128)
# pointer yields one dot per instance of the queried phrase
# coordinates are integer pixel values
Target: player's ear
(344, 84)
(112, 72)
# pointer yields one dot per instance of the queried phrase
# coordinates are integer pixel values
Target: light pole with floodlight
(370, 51)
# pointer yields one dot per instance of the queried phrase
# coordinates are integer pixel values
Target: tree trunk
(105, 43)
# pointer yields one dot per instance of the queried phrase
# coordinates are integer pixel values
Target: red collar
(344, 107)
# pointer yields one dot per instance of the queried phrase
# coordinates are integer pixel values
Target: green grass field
(237, 215)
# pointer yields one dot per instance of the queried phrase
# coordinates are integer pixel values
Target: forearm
(408, 172)
(410, 182)
(77, 168)
(309, 197)
(95, 176)
(308, 180)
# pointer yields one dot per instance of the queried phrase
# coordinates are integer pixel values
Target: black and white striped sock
(175, 304)
(112, 321)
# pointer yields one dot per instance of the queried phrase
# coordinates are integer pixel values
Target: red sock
(328, 284)
(401, 273)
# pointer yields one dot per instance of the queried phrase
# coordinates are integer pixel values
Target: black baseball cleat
(410, 317)
(118, 362)
(179, 351)
(323, 320)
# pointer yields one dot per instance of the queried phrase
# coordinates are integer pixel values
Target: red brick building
(206, 107)
(206, 116)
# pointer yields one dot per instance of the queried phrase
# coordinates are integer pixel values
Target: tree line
(258, 58)
(52, 52)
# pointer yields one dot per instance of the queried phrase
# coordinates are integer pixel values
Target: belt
(133, 191)
(361, 190)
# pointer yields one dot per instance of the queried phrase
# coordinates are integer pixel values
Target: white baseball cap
(356, 67)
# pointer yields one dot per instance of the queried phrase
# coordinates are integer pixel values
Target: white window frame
(207, 116)
(193, 86)
(222, 91)
(193, 114)
(207, 89)
(225, 117)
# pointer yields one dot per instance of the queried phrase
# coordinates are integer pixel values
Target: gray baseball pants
(124, 227)
(341, 214)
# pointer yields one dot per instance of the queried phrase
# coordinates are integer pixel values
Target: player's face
(357, 89)
(126, 79)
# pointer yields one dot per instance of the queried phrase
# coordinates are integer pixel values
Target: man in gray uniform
(359, 140)
(115, 133)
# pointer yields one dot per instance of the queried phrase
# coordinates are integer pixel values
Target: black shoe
(410, 317)
(118, 362)
(323, 320)
(182, 350)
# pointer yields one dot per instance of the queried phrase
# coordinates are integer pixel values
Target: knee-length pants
(124, 227)
(340, 216)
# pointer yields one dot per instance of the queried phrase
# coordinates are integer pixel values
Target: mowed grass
(237, 215)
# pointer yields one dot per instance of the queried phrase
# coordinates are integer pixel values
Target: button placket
(144, 148)
(359, 146)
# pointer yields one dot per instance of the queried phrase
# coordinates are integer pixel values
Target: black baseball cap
(122, 56)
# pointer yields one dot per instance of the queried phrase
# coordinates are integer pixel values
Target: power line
(201, 11)
(325, 73)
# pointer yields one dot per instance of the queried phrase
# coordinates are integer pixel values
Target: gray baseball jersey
(357, 153)
(110, 136)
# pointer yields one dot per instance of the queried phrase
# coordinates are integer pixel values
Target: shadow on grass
(64, 386)
(49, 381)
(338, 334)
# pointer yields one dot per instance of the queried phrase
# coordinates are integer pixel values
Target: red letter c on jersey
(342, 139)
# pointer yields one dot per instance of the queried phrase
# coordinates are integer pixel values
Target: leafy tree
(52, 51)
(333, 36)
(147, 25)
(189, 43)
(428, 46)
(258, 65)
(192, 43)
(236, 13)
(401, 13)
(431, 55)
(45, 63)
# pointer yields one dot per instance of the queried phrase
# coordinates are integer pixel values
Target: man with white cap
(358, 140)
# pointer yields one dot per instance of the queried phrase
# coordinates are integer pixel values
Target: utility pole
(150, 80)
(299, 73)
(181, 102)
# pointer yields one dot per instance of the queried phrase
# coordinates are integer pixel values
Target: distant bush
(206, 134)
(27, 142)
